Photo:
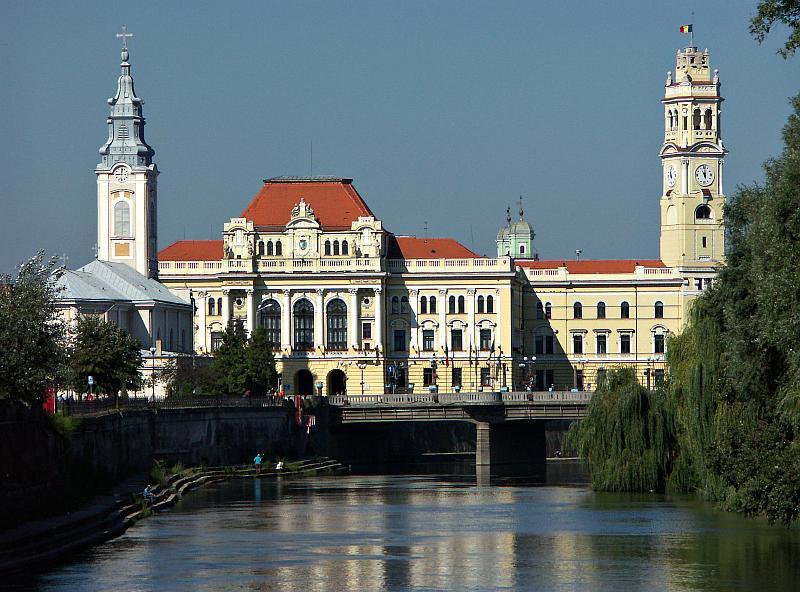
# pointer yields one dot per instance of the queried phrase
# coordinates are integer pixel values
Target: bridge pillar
(509, 442)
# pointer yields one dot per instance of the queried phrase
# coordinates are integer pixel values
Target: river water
(434, 532)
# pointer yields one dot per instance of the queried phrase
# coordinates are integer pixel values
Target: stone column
(719, 180)
(319, 319)
(471, 319)
(441, 337)
(353, 322)
(286, 324)
(378, 336)
(248, 308)
(201, 325)
(226, 308)
(483, 446)
(413, 325)
(498, 319)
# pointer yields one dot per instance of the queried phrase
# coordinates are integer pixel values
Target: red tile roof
(592, 266)
(335, 202)
(411, 247)
(192, 250)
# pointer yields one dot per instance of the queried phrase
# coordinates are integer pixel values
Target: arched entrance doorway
(303, 383)
(337, 383)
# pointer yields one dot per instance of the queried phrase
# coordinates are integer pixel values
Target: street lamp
(153, 372)
(527, 364)
(361, 366)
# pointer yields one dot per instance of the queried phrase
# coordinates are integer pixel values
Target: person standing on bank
(257, 462)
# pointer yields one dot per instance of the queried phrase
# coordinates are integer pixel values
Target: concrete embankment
(45, 541)
(46, 473)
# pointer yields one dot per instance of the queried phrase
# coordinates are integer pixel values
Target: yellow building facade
(351, 308)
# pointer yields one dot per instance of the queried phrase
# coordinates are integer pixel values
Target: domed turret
(516, 238)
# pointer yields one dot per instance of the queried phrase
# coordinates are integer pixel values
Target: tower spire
(521, 211)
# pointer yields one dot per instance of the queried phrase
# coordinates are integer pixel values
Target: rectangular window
(704, 242)
(540, 380)
(427, 340)
(400, 340)
(427, 376)
(548, 344)
(216, 340)
(698, 283)
(625, 344)
(577, 343)
(456, 340)
(549, 378)
(539, 344)
(658, 375)
(579, 379)
(658, 344)
(366, 330)
(601, 344)
(486, 377)
(486, 339)
(456, 377)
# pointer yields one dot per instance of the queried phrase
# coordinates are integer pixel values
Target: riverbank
(46, 541)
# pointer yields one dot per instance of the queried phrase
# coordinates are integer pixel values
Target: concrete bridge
(509, 425)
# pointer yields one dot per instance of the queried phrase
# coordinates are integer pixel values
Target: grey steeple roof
(126, 141)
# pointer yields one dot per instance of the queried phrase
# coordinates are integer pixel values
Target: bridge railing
(470, 398)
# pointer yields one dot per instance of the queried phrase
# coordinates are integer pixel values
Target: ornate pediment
(302, 210)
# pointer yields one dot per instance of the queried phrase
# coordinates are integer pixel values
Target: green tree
(109, 354)
(771, 12)
(230, 362)
(627, 438)
(32, 332)
(261, 373)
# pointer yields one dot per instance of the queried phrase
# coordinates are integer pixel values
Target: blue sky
(442, 112)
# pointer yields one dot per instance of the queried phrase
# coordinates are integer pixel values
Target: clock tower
(692, 229)
(126, 182)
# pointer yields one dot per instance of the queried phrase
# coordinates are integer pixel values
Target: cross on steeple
(521, 212)
(124, 35)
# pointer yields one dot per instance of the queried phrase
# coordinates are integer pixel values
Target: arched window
(122, 219)
(461, 305)
(395, 305)
(327, 247)
(696, 119)
(269, 248)
(345, 250)
(303, 325)
(269, 317)
(480, 303)
(260, 248)
(674, 119)
(624, 310)
(432, 303)
(219, 306)
(658, 310)
(601, 310)
(278, 248)
(451, 305)
(490, 304)
(403, 301)
(335, 247)
(703, 212)
(548, 311)
(212, 308)
(708, 118)
(577, 311)
(423, 305)
(539, 311)
(337, 325)
(522, 249)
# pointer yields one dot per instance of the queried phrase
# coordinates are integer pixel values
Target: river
(434, 532)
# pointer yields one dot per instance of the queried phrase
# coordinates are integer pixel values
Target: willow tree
(627, 438)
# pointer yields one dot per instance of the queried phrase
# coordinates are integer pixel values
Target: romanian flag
(686, 28)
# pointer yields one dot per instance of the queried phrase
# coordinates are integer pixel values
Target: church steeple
(126, 182)
(126, 141)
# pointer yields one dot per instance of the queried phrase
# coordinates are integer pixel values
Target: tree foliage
(627, 438)
(243, 365)
(771, 12)
(107, 353)
(32, 332)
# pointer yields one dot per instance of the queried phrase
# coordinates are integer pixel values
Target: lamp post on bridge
(361, 366)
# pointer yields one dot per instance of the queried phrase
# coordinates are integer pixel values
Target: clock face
(672, 176)
(121, 174)
(704, 175)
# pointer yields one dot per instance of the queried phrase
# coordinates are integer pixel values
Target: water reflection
(418, 532)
